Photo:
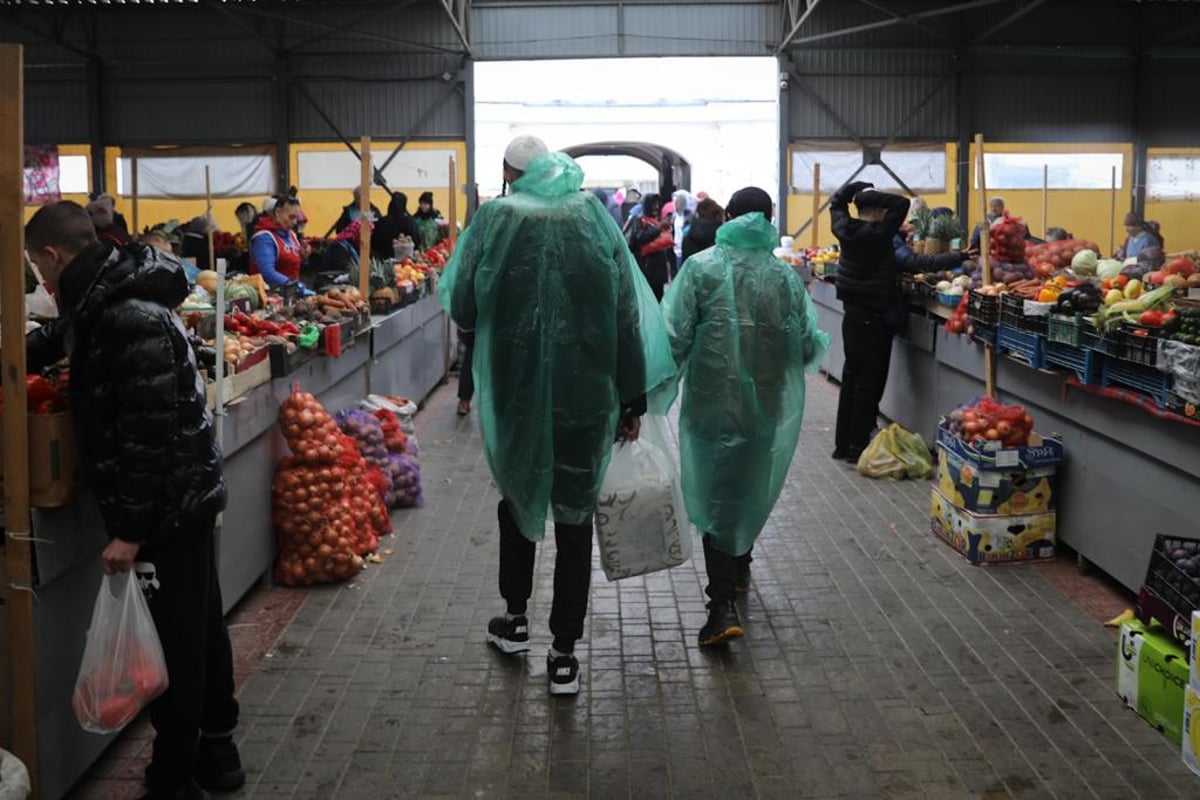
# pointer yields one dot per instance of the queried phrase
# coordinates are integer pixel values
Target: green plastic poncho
(566, 331)
(744, 333)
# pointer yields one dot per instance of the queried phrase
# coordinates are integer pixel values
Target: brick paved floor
(877, 665)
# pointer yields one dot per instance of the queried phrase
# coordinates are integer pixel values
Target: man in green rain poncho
(567, 340)
(744, 333)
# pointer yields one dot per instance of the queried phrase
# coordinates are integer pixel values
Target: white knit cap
(521, 151)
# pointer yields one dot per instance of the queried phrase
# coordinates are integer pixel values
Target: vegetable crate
(1092, 339)
(1026, 345)
(1066, 329)
(1183, 407)
(1137, 344)
(1171, 591)
(983, 308)
(285, 363)
(1012, 313)
(1084, 363)
(984, 333)
(1136, 376)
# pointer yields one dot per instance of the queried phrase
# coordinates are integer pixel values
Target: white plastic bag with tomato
(123, 667)
(641, 521)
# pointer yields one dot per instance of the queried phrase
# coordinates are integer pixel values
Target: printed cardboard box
(993, 539)
(1191, 729)
(1152, 673)
(995, 492)
(1048, 452)
(1194, 652)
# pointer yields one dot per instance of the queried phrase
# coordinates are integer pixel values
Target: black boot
(723, 624)
(218, 765)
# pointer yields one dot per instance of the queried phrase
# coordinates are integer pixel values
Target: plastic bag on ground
(123, 667)
(404, 409)
(14, 778)
(640, 518)
(897, 454)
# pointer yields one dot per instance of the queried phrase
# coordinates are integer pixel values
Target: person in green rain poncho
(744, 333)
(568, 338)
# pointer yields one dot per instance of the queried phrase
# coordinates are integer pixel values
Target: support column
(1141, 154)
(785, 138)
(468, 97)
(281, 123)
(966, 120)
(95, 112)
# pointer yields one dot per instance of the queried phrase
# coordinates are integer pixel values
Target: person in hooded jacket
(869, 288)
(652, 242)
(430, 222)
(702, 233)
(397, 222)
(152, 462)
(744, 332)
(353, 210)
(567, 339)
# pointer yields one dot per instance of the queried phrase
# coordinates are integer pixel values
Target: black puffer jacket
(145, 431)
(866, 275)
(700, 236)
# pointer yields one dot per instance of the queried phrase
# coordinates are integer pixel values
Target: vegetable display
(988, 421)
(1006, 239)
(400, 470)
(326, 513)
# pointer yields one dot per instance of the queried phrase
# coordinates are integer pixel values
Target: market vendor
(342, 253)
(430, 222)
(275, 251)
(397, 222)
(995, 211)
(1140, 235)
(353, 210)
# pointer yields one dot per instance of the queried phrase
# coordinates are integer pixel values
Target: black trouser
(179, 579)
(722, 571)
(867, 339)
(572, 575)
(466, 377)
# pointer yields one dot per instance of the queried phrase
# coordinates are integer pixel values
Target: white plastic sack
(640, 517)
(404, 413)
(123, 667)
(14, 778)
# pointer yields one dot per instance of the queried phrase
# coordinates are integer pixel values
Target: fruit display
(1183, 327)
(325, 512)
(1051, 257)
(985, 420)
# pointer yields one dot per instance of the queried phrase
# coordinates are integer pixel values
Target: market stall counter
(1127, 476)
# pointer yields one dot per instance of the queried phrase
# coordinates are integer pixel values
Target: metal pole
(364, 220)
(816, 203)
(989, 357)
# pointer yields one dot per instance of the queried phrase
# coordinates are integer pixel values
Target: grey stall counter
(1128, 475)
(402, 353)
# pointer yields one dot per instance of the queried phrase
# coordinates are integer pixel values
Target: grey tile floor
(877, 665)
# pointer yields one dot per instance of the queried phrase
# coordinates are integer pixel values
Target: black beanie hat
(868, 198)
(748, 200)
(426, 197)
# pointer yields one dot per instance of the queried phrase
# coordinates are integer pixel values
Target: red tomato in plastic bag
(116, 710)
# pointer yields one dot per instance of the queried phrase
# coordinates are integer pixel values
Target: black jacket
(349, 214)
(907, 260)
(143, 424)
(866, 275)
(398, 221)
(700, 236)
(655, 266)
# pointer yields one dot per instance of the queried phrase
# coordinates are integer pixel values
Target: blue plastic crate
(1086, 364)
(1138, 376)
(1093, 340)
(984, 333)
(1028, 346)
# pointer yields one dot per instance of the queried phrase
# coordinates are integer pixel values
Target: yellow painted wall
(1180, 219)
(1083, 212)
(325, 206)
(321, 207)
(800, 205)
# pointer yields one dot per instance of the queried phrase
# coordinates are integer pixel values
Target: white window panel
(1066, 170)
(410, 169)
(73, 175)
(922, 170)
(183, 176)
(1173, 177)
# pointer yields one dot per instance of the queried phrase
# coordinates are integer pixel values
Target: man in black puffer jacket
(869, 290)
(151, 460)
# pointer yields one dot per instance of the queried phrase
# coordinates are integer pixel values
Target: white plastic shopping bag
(640, 516)
(123, 667)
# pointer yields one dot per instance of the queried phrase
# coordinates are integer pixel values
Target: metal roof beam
(812, 6)
(887, 23)
(294, 19)
(921, 26)
(456, 10)
(379, 7)
(1009, 20)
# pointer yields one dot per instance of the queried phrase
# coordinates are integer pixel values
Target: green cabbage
(1084, 263)
(1108, 268)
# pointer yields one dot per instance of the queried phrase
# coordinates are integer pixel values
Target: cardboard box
(1152, 674)
(1190, 740)
(993, 539)
(54, 469)
(995, 492)
(994, 456)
